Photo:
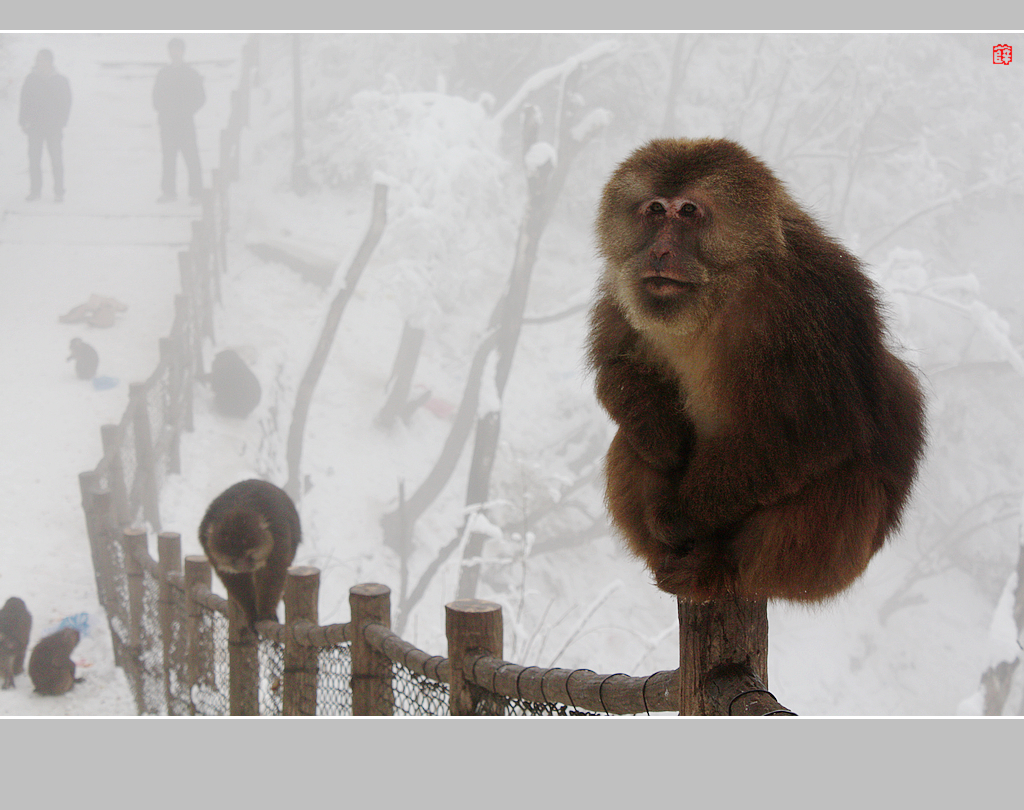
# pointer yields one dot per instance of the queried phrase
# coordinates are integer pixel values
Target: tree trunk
(304, 395)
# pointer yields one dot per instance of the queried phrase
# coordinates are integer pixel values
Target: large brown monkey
(15, 628)
(768, 439)
(50, 666)
(250, 533)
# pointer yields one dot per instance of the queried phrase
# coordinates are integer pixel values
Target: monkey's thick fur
(236, 390)
(50, 666)
(249, 533)
(85, 357)
(768, 439)
(15, 629)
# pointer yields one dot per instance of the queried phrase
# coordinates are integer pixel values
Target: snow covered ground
(111, 238)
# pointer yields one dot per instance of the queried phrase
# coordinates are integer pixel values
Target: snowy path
(110, 238)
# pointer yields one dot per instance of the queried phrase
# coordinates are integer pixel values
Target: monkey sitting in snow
(236, 391)
(85, 357)
(50, 666)
(15, 627)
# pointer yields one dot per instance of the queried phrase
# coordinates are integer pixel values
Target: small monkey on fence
(250, 533)
(50, 666)
(15, 627)
(768, 438)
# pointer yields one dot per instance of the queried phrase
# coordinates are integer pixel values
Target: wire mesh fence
(185, 652)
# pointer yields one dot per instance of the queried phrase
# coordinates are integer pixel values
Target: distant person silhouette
(177, 94)
(45, 106)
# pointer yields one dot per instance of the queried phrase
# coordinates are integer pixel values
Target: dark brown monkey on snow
(250, 533)
(236, 390)
(85, 357)
(50, 666)
(15, 628)
(768, 439)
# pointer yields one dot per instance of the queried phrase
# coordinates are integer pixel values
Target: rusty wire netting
(416, 695)
(210, 695)
(151, 694)
(117, 605)
(334, 680)
(176, 646)
(270, 660)
(493, 704)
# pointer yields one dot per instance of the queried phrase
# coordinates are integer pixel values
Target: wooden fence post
(724, 637)
(169, 552)
(301, 591)
(134, 542)
(172, 417)
(472, 625)
(111, 440)
(100, 524)
(206, 279)
(188, 331)
(144, 460)
(372, 692)
(199, 643)
(243, 664)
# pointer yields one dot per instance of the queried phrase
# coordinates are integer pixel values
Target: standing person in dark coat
(177, 94)
(45, 106)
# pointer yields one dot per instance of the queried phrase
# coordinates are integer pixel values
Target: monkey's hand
(663, 514)
(648, 410)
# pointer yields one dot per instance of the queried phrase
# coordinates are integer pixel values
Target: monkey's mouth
(657, 284)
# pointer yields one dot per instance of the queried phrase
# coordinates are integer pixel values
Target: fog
(908, 148)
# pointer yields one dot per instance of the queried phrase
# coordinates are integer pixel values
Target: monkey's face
(239, 543)
(679, 226)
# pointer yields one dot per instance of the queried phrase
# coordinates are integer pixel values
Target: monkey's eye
(688, 209)
(656, 207)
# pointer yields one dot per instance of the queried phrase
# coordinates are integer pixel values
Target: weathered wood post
(472, 625)
(188, 333)
(723, 658)
(301, 591)
(203, 266)
(199, 643)
(172, 417)
(144, 461)
(111, 440)
(169, 554)
(243, 664)
(134, 541)
(372, 692)
(100, 525)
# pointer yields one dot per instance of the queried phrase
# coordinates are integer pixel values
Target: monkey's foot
(704, 572)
